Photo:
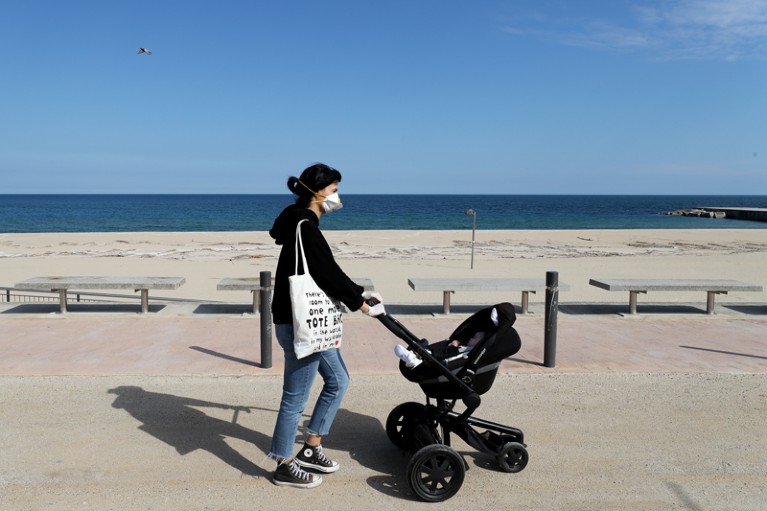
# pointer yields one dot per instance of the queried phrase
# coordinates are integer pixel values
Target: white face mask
(332, 203)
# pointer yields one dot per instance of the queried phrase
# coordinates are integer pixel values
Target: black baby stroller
(452, 371)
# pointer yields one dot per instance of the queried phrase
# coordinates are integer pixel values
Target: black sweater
(322, 266)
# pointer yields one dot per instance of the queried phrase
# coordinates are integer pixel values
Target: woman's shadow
(173, 420)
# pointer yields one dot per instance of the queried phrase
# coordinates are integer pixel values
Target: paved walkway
(173, 411)
(178, 340)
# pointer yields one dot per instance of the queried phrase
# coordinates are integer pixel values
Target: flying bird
(143, 51)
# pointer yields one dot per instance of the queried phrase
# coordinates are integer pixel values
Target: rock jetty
(695, 212)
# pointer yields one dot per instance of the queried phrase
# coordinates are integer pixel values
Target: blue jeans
(297, 383)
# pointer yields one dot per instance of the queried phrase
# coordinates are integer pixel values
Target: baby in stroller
(490, 328)
(461, 367)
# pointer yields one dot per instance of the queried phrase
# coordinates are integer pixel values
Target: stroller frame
(436, 471)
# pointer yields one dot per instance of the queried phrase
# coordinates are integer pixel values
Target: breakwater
(753, 214)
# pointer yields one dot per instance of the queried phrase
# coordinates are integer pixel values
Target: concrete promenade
(103, 409)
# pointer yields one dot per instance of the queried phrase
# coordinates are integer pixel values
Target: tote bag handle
(300, 244)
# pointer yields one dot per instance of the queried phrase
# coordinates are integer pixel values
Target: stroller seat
(473, 352)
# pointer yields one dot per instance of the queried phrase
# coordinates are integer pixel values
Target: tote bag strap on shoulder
(300, 245)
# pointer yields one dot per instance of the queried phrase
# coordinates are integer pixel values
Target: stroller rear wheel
(401, 421)
(435, 473)
(512, 457)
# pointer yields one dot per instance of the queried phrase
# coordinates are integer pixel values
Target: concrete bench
(253, 284)
(449, 286)
(64, 284)
(636, 286)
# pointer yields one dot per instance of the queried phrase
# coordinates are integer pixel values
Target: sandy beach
(389, 258)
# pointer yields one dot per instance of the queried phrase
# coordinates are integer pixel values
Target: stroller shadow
(173, 420)
(364, 438)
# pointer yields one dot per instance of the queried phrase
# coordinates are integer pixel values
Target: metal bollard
(265, 311)
(550, 319)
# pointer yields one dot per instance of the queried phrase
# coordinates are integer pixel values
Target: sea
(190, 213)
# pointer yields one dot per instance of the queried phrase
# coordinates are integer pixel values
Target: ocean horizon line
(78, 194)
(21, 213)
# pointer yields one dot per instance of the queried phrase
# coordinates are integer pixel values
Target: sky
(401, 96)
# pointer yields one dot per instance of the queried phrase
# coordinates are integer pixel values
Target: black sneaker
(290, 474)
(314, 458)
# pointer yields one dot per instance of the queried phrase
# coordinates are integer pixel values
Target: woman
(316, 194)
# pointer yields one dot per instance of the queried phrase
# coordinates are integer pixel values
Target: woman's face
(328, 190)
(322, 203)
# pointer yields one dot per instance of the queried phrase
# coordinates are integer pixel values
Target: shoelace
(321, 456)
(298, 472)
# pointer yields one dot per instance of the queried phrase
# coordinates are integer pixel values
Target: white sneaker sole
(313, 484)
(319, 468)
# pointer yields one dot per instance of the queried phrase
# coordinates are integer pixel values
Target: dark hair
(313, 179)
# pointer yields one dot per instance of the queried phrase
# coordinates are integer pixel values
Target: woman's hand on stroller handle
(374, 302)
(368, 295)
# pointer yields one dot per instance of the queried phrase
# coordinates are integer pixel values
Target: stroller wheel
(512, 457)
(435, 473)
(400, 423)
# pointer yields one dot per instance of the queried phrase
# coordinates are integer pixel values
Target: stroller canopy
(497, 319)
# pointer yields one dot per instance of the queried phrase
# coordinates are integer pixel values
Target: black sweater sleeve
(325, 271)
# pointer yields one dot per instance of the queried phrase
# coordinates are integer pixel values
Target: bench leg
(62, 300)
(144, 301)
(710, 300)
(526, 301)
(633, 301)
(446, 301)
(256, 294)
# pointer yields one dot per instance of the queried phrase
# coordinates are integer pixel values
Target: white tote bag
(317, 323)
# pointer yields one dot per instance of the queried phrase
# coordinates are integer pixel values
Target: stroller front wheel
(512, 457)
(401, 421)
(436, 473)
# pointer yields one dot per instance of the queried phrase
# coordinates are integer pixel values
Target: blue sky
(402, 96)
